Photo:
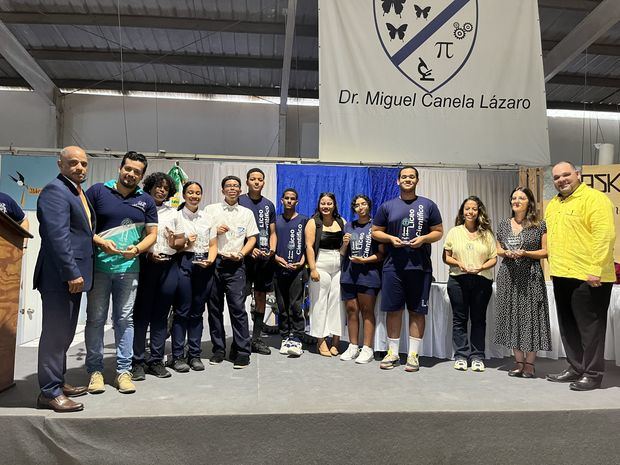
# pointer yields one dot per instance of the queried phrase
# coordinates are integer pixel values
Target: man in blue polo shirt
(259, 265)
(126, 227)
(13, 211)
(408, 225)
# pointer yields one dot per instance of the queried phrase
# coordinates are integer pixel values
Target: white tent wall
(226, 128)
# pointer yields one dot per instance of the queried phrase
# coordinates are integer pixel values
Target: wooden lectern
(12, 237)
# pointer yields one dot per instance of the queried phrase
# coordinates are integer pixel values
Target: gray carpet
(315, 410)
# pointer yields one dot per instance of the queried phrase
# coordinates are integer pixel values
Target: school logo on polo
(429, 41)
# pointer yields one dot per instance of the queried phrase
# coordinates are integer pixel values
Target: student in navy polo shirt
(259, 264)
(290, 276)
(13, 211)
(126, 227)
(360, 279)
(408, 225)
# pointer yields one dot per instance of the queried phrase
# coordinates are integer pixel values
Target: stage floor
(314, 410)
(277, 384)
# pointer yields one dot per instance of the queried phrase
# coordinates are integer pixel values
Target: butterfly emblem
(422, 12)
(393, 31)
(397, 4)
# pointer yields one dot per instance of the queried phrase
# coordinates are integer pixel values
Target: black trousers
(290, 296)
(229, 282)
(469, 296)
(195, 286)
(582, 315)
(60, 316)
(157, 286)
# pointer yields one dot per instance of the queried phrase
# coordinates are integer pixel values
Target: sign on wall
(606, 178)
(23, 177)
(433, 81)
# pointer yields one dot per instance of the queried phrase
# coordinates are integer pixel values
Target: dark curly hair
(156, 179)
(483, 224)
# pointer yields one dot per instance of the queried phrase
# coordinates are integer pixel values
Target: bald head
(73, 163)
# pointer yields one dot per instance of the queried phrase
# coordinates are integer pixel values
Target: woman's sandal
(526, 374)
(517, 372)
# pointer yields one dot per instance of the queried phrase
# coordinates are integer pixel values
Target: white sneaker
(460, 364)
(366, 355)
(295, 349)
(477, 365)
(351, 353)
(286, 343)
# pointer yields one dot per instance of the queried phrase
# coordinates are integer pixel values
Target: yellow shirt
(581, 235)
(472, 253)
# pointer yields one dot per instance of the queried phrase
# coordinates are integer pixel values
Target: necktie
(85, 205)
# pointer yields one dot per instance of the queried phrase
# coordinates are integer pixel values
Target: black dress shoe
(217, 357)
(587, 383)
(74, 391)
(566, 376)
(196, 364)
(241, 361)
(60, 404)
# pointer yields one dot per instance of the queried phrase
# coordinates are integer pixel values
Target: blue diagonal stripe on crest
(432, 27)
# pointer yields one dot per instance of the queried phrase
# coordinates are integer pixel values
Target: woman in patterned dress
(522, 306)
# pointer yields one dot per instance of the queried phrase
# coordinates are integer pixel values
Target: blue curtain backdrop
(345, 181)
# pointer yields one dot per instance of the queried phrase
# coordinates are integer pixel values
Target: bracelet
(137, 249)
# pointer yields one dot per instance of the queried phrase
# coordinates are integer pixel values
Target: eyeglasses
(361, 204)
(232, 186)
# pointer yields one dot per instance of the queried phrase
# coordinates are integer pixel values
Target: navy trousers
(195, 285)
(157, 286)
(60, 316)
(229, 282)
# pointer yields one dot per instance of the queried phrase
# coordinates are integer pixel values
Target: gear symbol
(459, 33)
(468, 27)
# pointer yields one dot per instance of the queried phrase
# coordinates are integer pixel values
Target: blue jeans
(123, 288)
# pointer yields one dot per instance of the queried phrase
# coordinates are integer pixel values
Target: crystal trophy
(514, 242)
(405, 231)
(470, 256)
(355, 244)
(263, 241)
(200, 249)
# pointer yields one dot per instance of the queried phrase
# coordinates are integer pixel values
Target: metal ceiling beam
(578, 5)
(611, 50)
(603, 17)
(155, 22)
(577, 79)
(230, 61)
(555, 105)
(289, 38)
(163, 87)
(19, 58)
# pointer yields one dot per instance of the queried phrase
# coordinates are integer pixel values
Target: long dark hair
(483, 224)
(317, 212)
(185, 187)
(531, 217)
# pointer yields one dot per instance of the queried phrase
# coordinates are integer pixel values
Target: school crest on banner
(428, 41)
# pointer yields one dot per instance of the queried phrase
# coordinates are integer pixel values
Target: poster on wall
(447, 81)
(606, 178)
(24, 176)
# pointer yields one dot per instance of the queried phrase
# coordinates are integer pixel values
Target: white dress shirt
(199, 223)
(167, 218)
(241, 225)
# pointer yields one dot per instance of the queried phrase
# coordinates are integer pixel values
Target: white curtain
(447, 188)
(208, 173)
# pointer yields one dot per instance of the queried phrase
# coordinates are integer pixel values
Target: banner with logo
(606, 178)
(431, 81)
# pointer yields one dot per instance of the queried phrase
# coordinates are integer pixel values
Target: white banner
(432, 81)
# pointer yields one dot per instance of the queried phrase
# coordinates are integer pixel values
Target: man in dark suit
(64, 270)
